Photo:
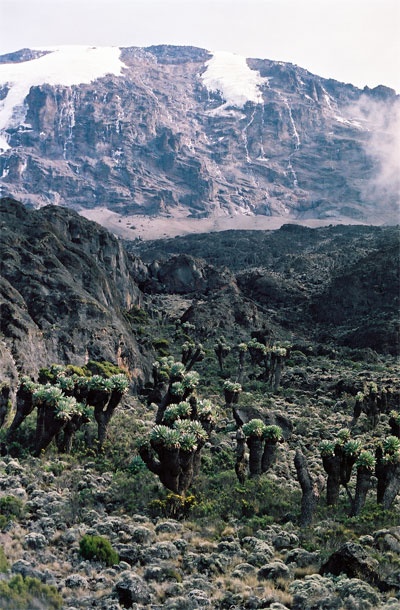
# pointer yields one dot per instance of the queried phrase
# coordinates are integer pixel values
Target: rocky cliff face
(65, 284)
(177, 131)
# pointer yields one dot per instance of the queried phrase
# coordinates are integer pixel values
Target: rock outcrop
(65, 285)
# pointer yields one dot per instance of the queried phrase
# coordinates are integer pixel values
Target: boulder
(351, 559)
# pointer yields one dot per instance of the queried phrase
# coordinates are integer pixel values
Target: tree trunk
(363, 485)
(382, 474)
(186, 460)
(311, 489)
(5, 403)
(25, 407)
(394, 427)
(277, 373)
(255, 445)
(47, 427)
(268, 456)
(332, 468)
(346, 466)
(241, 461)
(393, 487)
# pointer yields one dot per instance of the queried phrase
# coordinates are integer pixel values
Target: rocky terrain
(71, 292)
(181, 133)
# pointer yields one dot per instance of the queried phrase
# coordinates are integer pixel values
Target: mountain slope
(65, 284)
(177, 132)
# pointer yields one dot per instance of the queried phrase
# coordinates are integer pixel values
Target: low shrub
(10, 508)
(97, 548)
(28, 593)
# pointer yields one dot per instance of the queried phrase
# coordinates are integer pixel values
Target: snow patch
(66, 66)
(233, 78)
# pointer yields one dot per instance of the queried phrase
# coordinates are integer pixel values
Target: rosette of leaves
(188, 441)
(360, 396)
(396, 416)
(182, 410)
(176, 389)
(99, 383)
(343, 436)
(352, 447)
(232, 386)
(47, 394)
(190, 381)
(366, 460)
(28, 385)
(187, 426)
(327, 448)
(273, 434)
(254, 428)
(205, 410)
(255, 345)
(394, 423)
(177, 371)
(67, 384)
(165, 436)
(278, 351)
(66, 407)
(242, 347)
(119, 382)
(391, 449)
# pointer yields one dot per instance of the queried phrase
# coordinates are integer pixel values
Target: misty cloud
(381, 120)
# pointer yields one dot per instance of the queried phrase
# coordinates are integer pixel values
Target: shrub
(28, 593)
(3, 561)
(10, 508)
(161, 346)
(97, 548)
(103, 368)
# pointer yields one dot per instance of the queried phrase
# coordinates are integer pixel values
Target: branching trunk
(103, 415)
(25, 407)
(48, 426)
(311, 489)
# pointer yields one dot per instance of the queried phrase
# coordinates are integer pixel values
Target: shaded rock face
(155, 140)
(337, 283)
(64, 285)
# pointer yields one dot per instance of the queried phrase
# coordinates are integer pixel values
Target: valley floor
(151, 227)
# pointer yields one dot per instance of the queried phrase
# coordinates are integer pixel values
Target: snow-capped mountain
(180, 130)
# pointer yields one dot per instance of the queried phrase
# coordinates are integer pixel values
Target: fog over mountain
(183, 133)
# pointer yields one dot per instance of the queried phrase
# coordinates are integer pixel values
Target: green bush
(3, 561)
(97, 548)
(103, 368)
(161, 346)
(28, 593)
(10, 508)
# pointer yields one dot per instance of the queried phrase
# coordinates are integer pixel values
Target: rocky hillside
(178, 131)
(66, 284)
(334, 285)
(85, 526)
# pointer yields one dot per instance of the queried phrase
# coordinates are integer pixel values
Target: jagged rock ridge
(156, 138)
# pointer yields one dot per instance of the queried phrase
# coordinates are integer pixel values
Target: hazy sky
(355, 41)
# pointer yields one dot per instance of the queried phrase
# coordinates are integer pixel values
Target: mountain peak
(182, 132)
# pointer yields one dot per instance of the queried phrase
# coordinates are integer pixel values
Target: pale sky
(354, 41)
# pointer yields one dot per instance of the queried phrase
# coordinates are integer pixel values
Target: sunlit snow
(61, 66)
(231, 76)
